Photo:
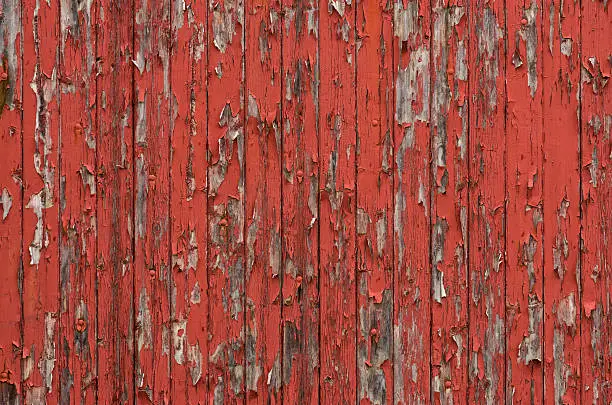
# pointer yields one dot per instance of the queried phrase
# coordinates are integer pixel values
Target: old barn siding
(303, 202)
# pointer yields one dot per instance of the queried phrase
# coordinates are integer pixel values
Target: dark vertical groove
(206, 372)
(134, 196)
(467, 252)
(98, 140)
(581, 201)
(317, 82)
(170, 278)
(466, 242)
(431, 193)
(58, 64)
(540, 44)
(391, 128)
(355, 206)
(505, 220)
(506, 345)
(20, 275)
(282, 206)
(242, 180)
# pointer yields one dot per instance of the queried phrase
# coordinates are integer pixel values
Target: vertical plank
(487, 209)
(115, 201)
(337, 203)
(77, 190)
(596, 184)
(374, 215)
(41, 119)
(411, 209)
(11, 171)
(561, 190)
(226, 182)
(449, 233)
(263, 349)
(153, 278)
(189, 299)
(300, 216)
(524, 281)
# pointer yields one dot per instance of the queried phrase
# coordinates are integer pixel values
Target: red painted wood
(77, 202)
(449, 213)
(337, 189)
(41, 226)
(115, 202)
(300, 198)
(596, 185)
(561, 191)
(411, 206)
(374, 215)
(166, 165)
(154, 284)
(487, 208)
(226, 209)
(263, 348)
(188, 211)
(524, 172)
(11, 206)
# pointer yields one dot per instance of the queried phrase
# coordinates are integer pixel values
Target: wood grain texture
(449, 212)
(41, 226)
(300, 197)
(338, 204)
(115, 201)
(77, 202)
(596, 185)
(411, 205)
(189, 203)
(11, 210)
(152, 260)
(226, 201)
(561, 196)
(374, 215)
(524, 173)
(263, 139)
(303, 202)
(487, 209)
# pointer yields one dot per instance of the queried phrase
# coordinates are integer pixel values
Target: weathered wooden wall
(303, 202)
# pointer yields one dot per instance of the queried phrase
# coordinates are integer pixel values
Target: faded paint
(301, 202)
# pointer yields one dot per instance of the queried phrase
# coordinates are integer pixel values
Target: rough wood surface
(300, 198)
(487, 209)
(305, 202)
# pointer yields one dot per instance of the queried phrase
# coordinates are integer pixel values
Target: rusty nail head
(81, 325)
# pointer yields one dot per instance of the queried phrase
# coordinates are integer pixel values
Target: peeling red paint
(337, 188)
(263, 139)
(524, 234)
(11, 204)
(487, 209)
(374, 195)
(188, 208)
(305, 202)
(449, 173)
(300, 199)
(596, 155)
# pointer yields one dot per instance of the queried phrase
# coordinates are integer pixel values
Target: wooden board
(337, 188)
(263, 149)
(300, 197)
(374, 194)
(524, 173)
(11, 195)
(115, 201)
(487, 208)
(596, 185)
(188, 203)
